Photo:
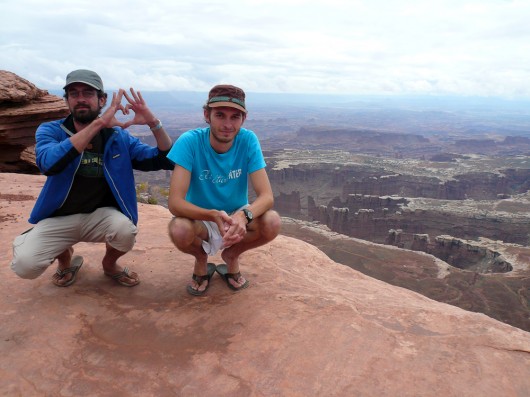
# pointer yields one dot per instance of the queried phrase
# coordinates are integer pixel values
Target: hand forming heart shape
(142, 113)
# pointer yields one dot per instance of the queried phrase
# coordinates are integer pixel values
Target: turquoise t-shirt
(218, 180)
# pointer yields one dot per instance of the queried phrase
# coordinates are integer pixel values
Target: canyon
(471, 214)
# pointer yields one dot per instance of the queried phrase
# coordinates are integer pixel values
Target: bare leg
(110, 266)
(187, 235)
(64, 260)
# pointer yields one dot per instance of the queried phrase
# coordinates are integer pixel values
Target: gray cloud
(467, 47)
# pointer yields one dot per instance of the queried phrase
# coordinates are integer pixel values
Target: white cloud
(468, 47)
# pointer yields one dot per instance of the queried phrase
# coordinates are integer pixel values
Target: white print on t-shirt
(234, 174)
(206, 175)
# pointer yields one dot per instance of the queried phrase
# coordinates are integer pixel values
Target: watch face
(248, 214)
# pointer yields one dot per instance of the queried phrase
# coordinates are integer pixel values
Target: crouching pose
(89, 194)
(209, 192)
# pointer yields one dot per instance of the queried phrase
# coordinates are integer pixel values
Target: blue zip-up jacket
(59, 160)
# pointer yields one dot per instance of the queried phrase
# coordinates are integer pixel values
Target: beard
(218, 136)
(222, 139)
(85, 115)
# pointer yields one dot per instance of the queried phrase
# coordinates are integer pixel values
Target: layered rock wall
(22, 108)
(480, 186)
(288, 204)
(372, 217)
(368, 180)
(468, 255)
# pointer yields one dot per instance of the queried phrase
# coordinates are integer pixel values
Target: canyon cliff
(472, 213)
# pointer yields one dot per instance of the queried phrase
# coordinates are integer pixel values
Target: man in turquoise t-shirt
(209, 191)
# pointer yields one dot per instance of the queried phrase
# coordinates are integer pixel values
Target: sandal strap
(124, 273)
(200, 279)
(234, 276)
(64, 272)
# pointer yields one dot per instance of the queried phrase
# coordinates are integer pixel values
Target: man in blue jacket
(89, 194)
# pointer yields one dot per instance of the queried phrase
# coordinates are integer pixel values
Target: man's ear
(103, 100)
(207, 115)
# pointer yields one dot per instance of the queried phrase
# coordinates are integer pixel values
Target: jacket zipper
(109, 142)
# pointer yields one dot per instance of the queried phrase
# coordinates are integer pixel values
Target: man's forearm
(163, 141)
(262, 204)
(82, 138)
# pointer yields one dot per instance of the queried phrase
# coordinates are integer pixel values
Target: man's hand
(142, 114)
(108, 118)
(223, 221)
(236, 231)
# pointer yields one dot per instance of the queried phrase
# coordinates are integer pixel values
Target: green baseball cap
(84, 76)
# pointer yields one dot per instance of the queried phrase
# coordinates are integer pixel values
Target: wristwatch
(248, 215)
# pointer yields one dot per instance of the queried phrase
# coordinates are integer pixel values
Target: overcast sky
(464, 47)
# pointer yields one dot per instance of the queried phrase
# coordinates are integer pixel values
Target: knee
(27, 262)
(181, 232)
(122, 235)
(270, 225)
(28, 267)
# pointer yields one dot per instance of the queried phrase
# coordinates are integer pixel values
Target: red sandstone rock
(306, 327)
(15, 89)
(22, 108)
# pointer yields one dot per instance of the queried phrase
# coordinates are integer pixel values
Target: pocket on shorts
(19, 240)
